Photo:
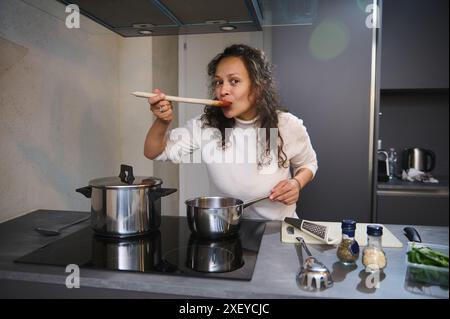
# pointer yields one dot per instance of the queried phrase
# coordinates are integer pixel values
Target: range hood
(134, 18)
(131, 18)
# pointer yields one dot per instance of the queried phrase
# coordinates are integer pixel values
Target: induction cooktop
(172, 250)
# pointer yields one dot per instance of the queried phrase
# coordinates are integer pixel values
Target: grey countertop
(274, 275)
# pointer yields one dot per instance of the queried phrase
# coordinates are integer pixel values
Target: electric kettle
(418, 158)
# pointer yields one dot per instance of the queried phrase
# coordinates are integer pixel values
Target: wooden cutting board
(388, 239)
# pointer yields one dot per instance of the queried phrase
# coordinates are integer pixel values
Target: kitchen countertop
(440, 188)
(274, 275)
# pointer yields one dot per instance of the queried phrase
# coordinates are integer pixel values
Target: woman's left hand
(286, 191)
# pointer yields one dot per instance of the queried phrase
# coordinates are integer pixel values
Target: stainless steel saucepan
(216, 217)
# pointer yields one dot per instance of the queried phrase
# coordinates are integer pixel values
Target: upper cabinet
(414, 52)
(139, 18)
(172, 17)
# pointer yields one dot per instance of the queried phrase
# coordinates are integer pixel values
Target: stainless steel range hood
(131, 18)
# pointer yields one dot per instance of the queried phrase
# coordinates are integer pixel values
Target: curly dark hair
(266, 99)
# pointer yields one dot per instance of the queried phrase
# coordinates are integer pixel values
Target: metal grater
(315, 229)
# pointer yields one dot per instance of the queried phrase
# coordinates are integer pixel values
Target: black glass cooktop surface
(172, 250)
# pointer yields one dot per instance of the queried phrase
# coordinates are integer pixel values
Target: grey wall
(165, 77)
(323, 71)
(416, 120)
(135, 74)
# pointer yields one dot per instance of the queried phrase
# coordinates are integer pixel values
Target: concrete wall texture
(66, 115)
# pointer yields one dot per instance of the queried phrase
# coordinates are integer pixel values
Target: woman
(249, 146)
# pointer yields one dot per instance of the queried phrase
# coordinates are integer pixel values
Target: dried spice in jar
(374, 258)
(348, 249)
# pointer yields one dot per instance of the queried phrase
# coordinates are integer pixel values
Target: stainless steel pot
(216, 217)
(126, 205)
(214, 256)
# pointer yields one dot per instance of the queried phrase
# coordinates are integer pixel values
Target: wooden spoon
(185, 99)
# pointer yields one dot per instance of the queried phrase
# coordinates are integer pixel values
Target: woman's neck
(248, 115)
(239, 122)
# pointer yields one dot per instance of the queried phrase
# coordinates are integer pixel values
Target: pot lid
(126, 178)
(116, 182)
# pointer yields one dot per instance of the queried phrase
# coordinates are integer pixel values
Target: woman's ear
(255, 92)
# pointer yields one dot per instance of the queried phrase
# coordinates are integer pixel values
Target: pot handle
(86, 191)
(126, 174)
(253, 201)
(156, 194)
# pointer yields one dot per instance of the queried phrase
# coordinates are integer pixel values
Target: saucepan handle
(253, 201)
(86, 191)
(156, 194)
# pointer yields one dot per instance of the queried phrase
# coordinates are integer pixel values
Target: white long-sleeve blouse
(242, 169)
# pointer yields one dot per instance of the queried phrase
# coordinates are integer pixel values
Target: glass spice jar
(374, 258)
(348, 249)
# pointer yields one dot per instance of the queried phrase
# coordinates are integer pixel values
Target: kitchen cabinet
(412, 208)
(413, 106)
(400, 202)
(168, 17)
(416, 119)
(414, 52)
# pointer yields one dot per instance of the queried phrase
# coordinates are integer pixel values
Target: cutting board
(388, 239)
